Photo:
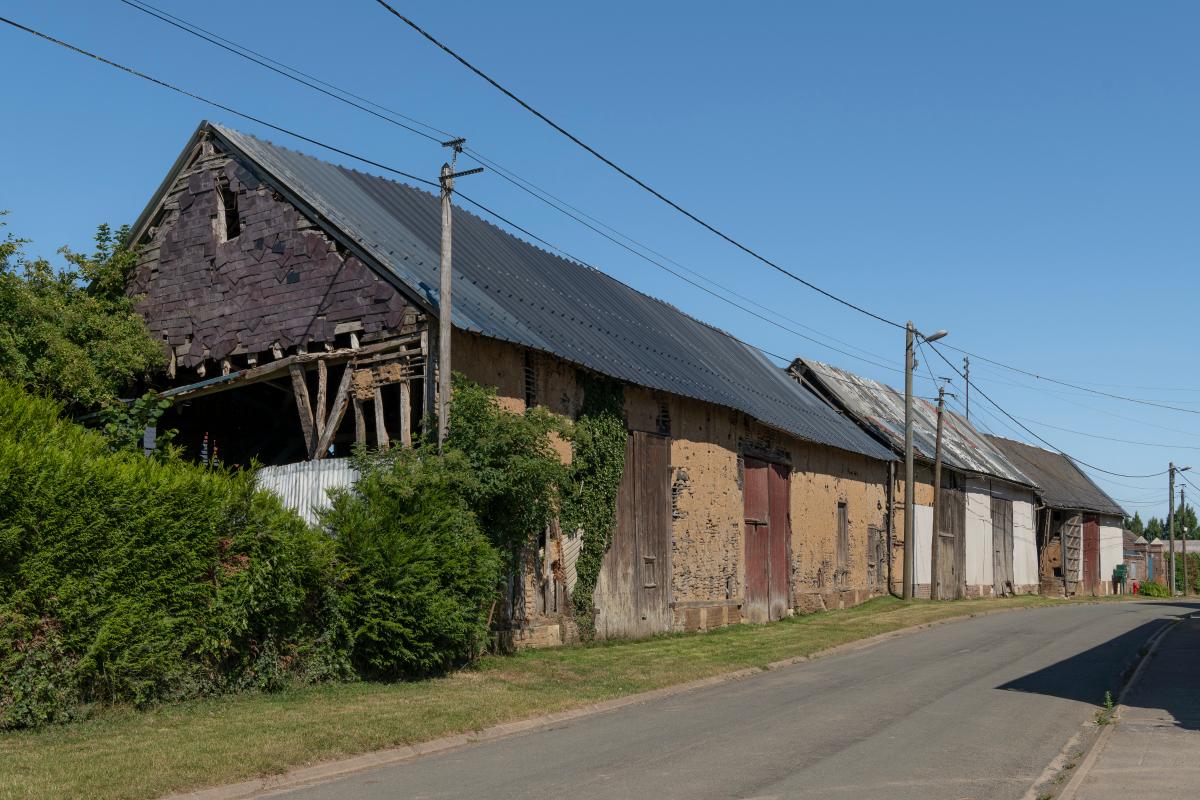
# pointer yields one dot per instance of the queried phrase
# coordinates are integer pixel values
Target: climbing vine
(590, 497)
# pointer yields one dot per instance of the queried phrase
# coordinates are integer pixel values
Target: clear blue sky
(1024, 174)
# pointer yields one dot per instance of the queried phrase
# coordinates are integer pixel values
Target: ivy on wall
(589, 501)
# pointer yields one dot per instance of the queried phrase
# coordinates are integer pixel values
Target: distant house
(1079, 527)
(1134, 556)
(298, 304)
(986, 542)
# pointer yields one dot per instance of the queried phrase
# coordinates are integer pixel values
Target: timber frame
(368, 369)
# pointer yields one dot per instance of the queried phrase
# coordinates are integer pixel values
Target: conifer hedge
(125, 579)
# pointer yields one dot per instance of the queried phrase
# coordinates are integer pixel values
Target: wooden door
(948, 571)
(1002, 544)
(780, 535)
(632, 594)
(652, 455)
(1091, 555)
(765, 492)
(757, 511)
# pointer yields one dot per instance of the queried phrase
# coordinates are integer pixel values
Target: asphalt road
(974, 709)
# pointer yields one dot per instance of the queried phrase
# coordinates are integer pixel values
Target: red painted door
(1091, 555)
(768, 531)
(756, 498)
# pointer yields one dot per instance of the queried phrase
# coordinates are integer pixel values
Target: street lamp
(910, 336)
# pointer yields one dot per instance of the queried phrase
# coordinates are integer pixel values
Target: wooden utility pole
(444, 309)
(1183, 537)
(936, 549)
(1171, 524)
(967, 381)
(908, 462)
(445, 303)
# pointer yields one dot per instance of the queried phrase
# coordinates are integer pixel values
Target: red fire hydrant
(1136, 586)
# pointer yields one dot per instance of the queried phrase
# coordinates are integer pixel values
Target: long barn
(297, 302)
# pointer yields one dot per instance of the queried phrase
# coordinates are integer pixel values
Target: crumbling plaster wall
(708, 444)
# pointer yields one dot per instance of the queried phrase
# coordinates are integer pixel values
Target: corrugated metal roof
(1060, 481)
(880, 409)
(508, 289)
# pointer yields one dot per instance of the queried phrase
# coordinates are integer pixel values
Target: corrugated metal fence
(304, 486)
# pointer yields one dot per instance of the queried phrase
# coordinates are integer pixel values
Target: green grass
(122, 753)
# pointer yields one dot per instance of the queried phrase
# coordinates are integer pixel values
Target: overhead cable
(708, 226)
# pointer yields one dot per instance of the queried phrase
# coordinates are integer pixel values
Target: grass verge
(131, 755)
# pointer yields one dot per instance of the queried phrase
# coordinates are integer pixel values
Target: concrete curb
(332, 770)
(1071, 790)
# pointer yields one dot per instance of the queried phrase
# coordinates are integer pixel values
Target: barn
(298, 304)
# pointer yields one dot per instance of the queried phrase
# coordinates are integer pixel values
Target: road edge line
(1071, 790)
(324, 772)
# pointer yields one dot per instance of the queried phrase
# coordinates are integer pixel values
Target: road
(973, 709)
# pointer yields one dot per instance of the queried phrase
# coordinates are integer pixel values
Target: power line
(332, 148)
(711, 228)
(262, 61)
(212, 103)
(512, 177)
(1075, 386)
(1112, 438)
(1031, 432)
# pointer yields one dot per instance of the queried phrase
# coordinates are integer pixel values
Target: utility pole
(1171, 524)
(1183, 536)
(445, 307)
(910, 363)
(936, 549)
(967, 381)
(908, 461)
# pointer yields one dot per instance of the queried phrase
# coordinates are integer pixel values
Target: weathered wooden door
(778, 585)
(1002, 546)
(632, 594)
(767, 532)
(1091, 555)
(948, 571)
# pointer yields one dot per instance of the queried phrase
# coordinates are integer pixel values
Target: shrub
(418, 577)
(1152, 589)
(516, 474)
(126, 579)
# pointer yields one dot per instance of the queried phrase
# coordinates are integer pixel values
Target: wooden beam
(277, 368)
(381, 434)
(303, 406)
(405, 414)
(360, 423)
(319, 411)
(341, 399)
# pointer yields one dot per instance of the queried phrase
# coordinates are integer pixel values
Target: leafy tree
(71, 333)
(1154, 529)
(1135, 523)
(1185, 522)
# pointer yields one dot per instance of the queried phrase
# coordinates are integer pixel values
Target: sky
(1022, 174)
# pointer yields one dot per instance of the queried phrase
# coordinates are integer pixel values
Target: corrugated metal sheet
(508, 289)
(880, 409)
(1059, 480)
(304, 487)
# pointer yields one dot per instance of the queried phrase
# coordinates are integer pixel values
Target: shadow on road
(1088, 675)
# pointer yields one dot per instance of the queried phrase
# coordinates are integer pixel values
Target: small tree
(1135, 523)
(71, 333)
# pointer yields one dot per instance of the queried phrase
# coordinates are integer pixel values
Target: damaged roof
(879, 409)
(506, 288)
(1061, 483)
